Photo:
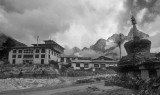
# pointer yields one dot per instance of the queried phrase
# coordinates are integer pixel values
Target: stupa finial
(135, 30)
(133, 20)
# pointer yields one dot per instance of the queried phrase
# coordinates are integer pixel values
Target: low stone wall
(28, 71)
(21, 83)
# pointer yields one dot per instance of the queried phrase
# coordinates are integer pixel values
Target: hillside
(3, 39)
(107, 47)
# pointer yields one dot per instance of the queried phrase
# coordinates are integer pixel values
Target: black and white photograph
(79, 47)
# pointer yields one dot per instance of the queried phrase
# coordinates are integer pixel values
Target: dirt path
(63, 90)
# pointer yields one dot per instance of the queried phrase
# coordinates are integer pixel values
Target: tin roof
(94, 61)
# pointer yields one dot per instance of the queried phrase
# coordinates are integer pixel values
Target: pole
(37, 40)
(120, 39)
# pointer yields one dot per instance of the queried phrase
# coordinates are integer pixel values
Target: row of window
(29, 56)
(27, 61)
(95, 65)
(53, 53)
(67, 59)
(29, 51)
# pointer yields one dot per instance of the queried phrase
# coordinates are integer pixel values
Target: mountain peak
(75, 49)
(99, 45)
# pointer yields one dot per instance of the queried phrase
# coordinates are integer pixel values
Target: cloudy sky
(77, 22)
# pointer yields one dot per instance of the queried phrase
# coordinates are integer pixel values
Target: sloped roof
(81, 61)
(69, 56)
(103, 58)
(94, 61)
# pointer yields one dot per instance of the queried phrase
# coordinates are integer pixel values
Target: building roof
(69, 56)
(81, 61)
(74, 56)
(103, 58)
(52, 42)
(103, 61)
(37, 47)
(94, 61)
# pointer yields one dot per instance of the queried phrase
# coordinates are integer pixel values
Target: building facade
(98, 63)
(36, 54)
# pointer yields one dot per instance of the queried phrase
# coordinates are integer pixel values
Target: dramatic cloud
(73, 23)
(76, 22)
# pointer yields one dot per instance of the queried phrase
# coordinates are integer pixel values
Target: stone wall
(144, 74)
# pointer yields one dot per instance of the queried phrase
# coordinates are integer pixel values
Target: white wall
(53, 56)
(35, 60)
(90, 65)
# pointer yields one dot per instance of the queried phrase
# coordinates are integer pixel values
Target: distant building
(66, 59)
(101, 62)
(36, 54)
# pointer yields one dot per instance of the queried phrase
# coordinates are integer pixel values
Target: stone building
(101, 62)
(36, 54)
(139, 60)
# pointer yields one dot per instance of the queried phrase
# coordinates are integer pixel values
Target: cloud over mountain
(76, 22)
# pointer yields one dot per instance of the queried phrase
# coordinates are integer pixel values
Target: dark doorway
(14, 61)
(152, 73)
(42, 61)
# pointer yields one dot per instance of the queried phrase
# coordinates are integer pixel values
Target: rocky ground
(84, 89)
(23, 83)
(16, 84)
(91, 85)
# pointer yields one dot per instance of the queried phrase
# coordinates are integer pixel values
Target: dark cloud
(75, 22)
(20, 6)
(133, 7)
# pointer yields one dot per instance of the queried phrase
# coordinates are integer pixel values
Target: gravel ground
(23, 83)
(16, 84)
(83, 89)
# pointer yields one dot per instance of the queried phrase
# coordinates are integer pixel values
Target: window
(20, 51)
(77, 65)
(14, 51)
(54, 53)
(27, 56)
(86, 65)
(102, 65)
(14, 56)
(19, 56)
(73, 58)
(49, 51)
(96, 65)
(37, 50)
(43, 51)
(28, 51)
(68, 60)
(62, 59)
(49, 56)
(43, 56)
(42, 61)
(36, 56)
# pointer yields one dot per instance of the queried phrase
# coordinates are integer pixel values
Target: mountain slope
(110, 46)
(99, 45)
(3, 39)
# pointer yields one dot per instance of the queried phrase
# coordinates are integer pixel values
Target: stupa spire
(133, 20)
(135, 31)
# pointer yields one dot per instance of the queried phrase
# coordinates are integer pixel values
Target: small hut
(139, 60)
